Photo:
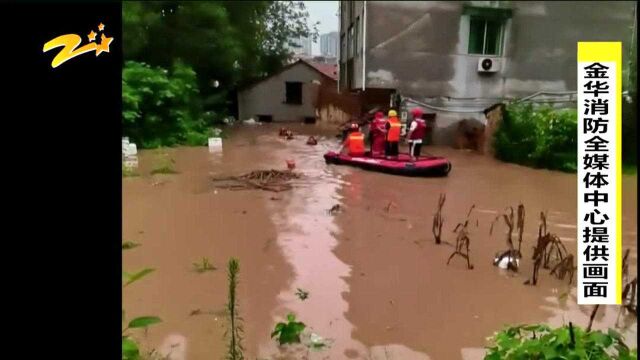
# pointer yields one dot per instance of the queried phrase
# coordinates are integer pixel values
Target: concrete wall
(345, 23)
(268, 97)
(420, 49)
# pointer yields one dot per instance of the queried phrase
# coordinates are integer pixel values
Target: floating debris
(302, 294)
(268, 180)
(510, 259)
(312, 141)
(390, 205)
(334, 209)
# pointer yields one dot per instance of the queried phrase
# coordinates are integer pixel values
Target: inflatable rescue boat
(423, 166)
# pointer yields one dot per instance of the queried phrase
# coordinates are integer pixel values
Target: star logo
(104, 44)
(71, 48)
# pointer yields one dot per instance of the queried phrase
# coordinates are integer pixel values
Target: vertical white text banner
(599, 232)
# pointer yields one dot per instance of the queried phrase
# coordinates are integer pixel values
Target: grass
(235, 330)
(203, 266)
(163, 164)
(629, 169)
(164, 169)
(127, 172)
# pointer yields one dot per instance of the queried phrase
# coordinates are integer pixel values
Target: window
(351, 41)
(485, 36)
(265, 118)
(293, 92)
(352, 10)
(356, 43)
(487, 28)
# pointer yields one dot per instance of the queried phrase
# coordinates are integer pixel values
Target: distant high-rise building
(302, 46)
(329, 44)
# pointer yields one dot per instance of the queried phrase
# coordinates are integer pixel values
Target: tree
(227, 43)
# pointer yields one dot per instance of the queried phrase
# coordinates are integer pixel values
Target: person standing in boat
(417, 131)
(354, 143)
(377, 134)
(393, 127)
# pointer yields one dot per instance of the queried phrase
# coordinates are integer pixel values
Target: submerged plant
(289, 332)
(129, 245)
(566, 342)
(235, 330)
(203, 266)
(438, 220)
(462, 240)
(130, 347)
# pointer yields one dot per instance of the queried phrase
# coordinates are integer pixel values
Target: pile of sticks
(268, 180)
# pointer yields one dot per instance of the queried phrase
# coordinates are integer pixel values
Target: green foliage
(567, 342)
(143, 322)
(130, 350)
(131, 278)
(130, 347)
(128, 172)
(629, 169)
(163, 164)
(203, 266)
(129, 245)
(235, 330)
(538, 136)
(227, 43)
(160, 107)
(289, 332)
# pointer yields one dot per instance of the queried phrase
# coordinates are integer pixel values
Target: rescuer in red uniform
(417, 131)
(377, 133)
(354, 141)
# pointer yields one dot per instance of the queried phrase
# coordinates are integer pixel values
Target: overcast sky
(326, 13)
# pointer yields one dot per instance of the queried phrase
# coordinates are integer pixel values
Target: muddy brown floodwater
(379, 287)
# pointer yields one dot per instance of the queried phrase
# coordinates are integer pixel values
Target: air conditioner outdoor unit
(489, 65)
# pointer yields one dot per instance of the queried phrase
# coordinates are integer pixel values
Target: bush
(542, 342)
(162, 108)
(538, 136)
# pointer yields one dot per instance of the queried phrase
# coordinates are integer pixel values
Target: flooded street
(379, 287)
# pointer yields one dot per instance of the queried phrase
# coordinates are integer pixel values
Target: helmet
(392, 113)
(379, 115)
(416, 112)
(353, 126)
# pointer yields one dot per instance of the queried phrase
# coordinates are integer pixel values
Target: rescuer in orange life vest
(393, 127)
(377, 133)
(417, 131)
(354, 142)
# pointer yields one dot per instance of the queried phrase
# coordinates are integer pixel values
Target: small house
(291, 94)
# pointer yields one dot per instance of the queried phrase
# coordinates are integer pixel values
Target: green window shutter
(499, 14)
(476, 35)
(494, 34)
